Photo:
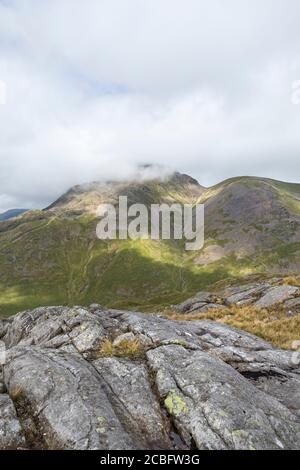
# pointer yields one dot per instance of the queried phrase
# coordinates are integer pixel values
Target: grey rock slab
(252, 359)
(39, 321)
(52, 326)
(204, 296)
(242, 289)
(195, 307)
(246, 296)
(187, 305)
(4, 325)
(129, 388)
(221, 387)
(276, 295)
(124, 337)
(200, 298)
(293, 304)
(216, 407)
(11, 433)
(62, 396)
(229, 335)
(211, 306)
(88, 336)
(157, 330)
(283, 386)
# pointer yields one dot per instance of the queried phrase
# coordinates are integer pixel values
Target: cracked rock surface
(197, 385)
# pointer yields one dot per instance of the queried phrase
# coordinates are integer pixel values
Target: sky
(91, 89)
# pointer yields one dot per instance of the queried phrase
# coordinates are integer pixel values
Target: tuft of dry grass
(291, 281)
(132, 349)
(16, 394)
(106, 349)
(270, 324)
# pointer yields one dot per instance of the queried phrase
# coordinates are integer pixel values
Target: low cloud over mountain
(126, 82)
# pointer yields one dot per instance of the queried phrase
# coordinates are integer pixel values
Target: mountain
(85, 199)
(256, 219)
(12, 213)
(51, 257)
(95, 378)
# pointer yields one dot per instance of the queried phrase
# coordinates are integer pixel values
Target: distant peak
(149, 171)
(12, 213)
(85, 198)
(183, 178)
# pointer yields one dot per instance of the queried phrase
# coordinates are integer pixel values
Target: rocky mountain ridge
(85, 198)
(53, 257)
(270, 293)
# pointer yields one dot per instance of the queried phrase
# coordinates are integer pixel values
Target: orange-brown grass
(132, 349)
(270, 324)
(291, 281)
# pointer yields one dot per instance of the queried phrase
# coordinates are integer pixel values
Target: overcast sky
(95, 87)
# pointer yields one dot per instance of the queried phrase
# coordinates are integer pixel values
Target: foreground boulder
(93, 378)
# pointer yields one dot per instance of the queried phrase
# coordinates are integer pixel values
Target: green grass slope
(53, 257)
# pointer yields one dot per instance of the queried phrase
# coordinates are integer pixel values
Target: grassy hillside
(53, 256)
(58, 261)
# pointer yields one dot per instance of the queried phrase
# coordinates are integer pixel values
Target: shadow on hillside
(129, 280)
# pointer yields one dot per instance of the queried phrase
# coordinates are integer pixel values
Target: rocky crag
(95, 378)
(262, 294)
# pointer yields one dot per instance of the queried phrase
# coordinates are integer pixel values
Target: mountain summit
(174, 187)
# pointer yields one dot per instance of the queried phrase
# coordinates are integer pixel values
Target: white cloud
(95, 88)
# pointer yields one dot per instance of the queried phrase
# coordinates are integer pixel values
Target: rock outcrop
(69, 382)
(264, 294)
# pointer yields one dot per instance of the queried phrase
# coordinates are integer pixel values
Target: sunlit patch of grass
(270, 324)
(132, 349)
